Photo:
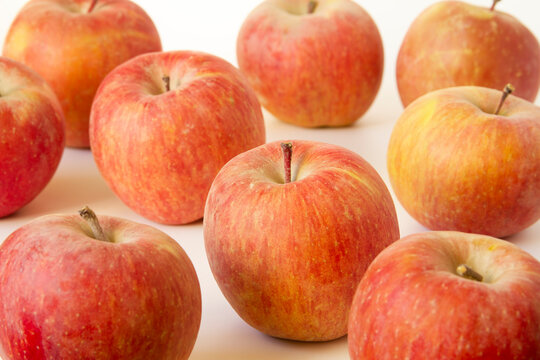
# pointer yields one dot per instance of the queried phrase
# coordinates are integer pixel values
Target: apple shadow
(275, 348)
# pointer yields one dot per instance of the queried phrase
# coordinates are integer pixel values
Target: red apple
(312, 63)
(456, 165)
(453, 43)
(163, 124)
(288, 256)
(112, 289)
(31, 135)
(448, 295)
(73, 44)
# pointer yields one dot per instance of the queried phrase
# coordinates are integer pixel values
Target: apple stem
(312, 5)
(91, 219)
(508, 89)
(467, 272)
(92, 5)
(493, 5)
(167, 80)
(287, 156)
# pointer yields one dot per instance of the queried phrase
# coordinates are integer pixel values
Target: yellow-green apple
(73, 44)
(448, 295)
(453, 43)
(32, 135)
(312, 63)
(289, 236)
(163, 124)
(457, 164)
(99, 288)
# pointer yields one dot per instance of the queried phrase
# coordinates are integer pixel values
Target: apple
(289, 236)
(73, 44)
(312, 63)
(456, 163)
(163, 124)
(447, 295)
(32, 135)
(453, 43)
(96, 288)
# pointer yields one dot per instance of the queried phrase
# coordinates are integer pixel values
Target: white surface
(212, 26)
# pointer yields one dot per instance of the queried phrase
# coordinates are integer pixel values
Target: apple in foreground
(98, 288)
(448, 295)
(289, 236)
(453, 43)
(163, 124)
(463, 159)
(73, 44)
(32, 135)
(312, 63)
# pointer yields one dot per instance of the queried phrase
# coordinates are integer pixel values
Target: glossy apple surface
(412, 303)
(455, 165)
(32, 135)
(159, 144)
(312, 63)
(453, 43)
(288, 256)
(66, 295)
(73, 44)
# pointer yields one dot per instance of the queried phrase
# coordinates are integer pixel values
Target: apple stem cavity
(493, 5)
(91, 219)
(167, 80)
(508, 89)
(312, 5)
(287, 156)
(467, 272)
(92, 6)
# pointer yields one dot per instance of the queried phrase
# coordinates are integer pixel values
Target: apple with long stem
(73, 44)
(32, 135)
(453, 43)
(289, 230)
(448, 295)
(94, 287)
(466, 159)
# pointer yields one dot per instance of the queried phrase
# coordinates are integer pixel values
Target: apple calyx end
(167, 81)
(92, 6)
(91, 219)
(312, 5)
(287, 156)
(467, 272)
(493, 5)
(508, 89)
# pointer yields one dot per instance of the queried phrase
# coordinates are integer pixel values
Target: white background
(212, 26)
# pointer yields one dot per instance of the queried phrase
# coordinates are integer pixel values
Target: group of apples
(302, 237)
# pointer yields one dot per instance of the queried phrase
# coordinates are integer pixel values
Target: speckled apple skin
(74, 50)
(160, 150)
(32, 135)
(453, 43)
(312, 70)
(454, 165)
(411, 304)
(288, 257)
(65, 295)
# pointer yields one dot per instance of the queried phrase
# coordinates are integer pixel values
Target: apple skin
(453, 43)
(160, 150)
(312, 70)
(74, 50)
(288, 257)
(454, 165)
(66, 295)
(412, 304)
(32, 135)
